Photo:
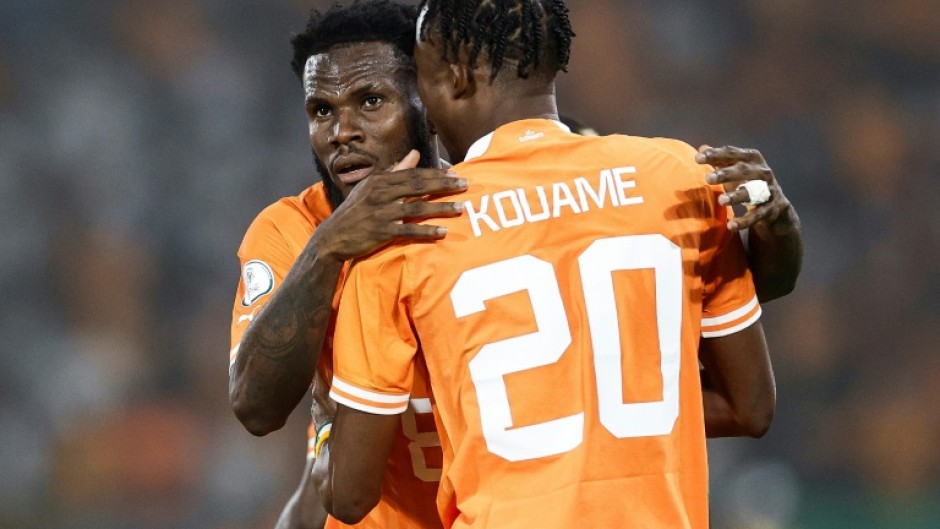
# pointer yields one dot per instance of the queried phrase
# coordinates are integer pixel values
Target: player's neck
(535, 105)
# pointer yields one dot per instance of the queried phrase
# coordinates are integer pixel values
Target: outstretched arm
(738, 388)
(773, 231)
(278, 353)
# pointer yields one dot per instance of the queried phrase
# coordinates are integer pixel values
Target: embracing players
(358, 76)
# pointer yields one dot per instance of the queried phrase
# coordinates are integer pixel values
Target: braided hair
(535, 33)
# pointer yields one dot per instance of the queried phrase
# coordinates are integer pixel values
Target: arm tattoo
(281, 348)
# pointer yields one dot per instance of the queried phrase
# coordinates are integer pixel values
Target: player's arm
(278, 353)
(350, 465)
(773, 232)
(304, 509)
(374, 362)
(738, 388)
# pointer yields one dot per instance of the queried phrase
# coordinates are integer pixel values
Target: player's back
(560, 322)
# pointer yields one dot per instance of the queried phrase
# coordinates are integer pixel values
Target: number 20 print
(547, 345)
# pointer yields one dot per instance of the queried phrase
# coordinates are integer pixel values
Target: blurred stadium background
(138, 138)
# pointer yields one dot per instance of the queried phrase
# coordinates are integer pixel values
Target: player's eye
(316, 109)
(372, 102)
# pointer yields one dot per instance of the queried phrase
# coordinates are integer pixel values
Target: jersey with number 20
(559, 321)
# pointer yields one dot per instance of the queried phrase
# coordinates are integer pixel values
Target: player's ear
(463, 81)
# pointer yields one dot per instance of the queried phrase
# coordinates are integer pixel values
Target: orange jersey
(273, 242)
(559, 321)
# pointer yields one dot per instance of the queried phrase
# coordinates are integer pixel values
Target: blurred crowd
(138, 139)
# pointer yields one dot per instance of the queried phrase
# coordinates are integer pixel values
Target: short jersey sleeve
(265, 258)
(374, 344)
(729, 299)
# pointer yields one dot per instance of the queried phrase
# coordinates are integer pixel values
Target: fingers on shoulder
(729, 155)
(741, 172)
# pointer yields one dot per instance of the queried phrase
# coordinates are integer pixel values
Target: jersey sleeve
(729, 299)
(374, 345)
(265, 258)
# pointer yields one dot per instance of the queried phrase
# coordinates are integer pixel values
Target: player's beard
(418, 124)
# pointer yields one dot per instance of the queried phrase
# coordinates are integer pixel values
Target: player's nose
(346, 129)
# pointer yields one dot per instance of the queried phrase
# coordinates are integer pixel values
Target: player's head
(473, 54)
(357, 69)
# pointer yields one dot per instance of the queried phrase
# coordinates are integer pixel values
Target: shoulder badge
(258, 279)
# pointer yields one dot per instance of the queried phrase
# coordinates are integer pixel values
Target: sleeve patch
(258, 279)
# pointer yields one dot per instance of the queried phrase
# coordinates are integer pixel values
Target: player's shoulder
(304, 210)
(665, 156)
(307, 206)
(678, 150)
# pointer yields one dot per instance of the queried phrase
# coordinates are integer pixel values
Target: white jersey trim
(233, 355)
(381, 398)
(731, 316)
(733, 329)
(421, 405)
(355, 404)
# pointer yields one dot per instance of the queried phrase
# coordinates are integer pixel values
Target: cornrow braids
(535, 33)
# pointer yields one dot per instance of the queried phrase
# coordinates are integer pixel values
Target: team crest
(258, 279)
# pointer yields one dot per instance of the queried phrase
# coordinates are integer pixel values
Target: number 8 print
(553, 336)
(420, 440)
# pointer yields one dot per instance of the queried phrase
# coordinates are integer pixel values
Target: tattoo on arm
(286, 326)
(279, 352)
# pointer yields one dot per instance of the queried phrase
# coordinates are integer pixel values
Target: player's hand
(735, 166)
(323, 408)
(379, 208)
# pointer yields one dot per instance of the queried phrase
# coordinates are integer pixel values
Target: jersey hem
(366, 400)
(751, 320)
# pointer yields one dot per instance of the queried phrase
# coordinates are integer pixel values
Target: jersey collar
(480, 146)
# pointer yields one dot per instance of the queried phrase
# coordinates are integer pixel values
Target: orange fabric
(273, 242)
(559, 321)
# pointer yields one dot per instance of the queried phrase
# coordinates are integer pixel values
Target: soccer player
(563, 318)
(277, 348)
(364, 116)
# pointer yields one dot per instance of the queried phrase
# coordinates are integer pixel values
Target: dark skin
(774, 232)
(739, 400)
(303, 510)
(356, 97)
(738, 390)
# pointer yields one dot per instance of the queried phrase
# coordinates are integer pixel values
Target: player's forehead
(344, 67)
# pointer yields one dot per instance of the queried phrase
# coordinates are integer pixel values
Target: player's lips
(352, 168)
